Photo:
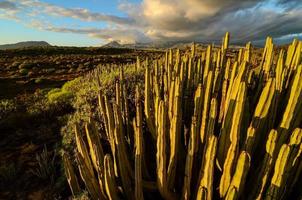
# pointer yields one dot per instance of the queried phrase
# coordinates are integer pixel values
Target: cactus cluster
(206, 126)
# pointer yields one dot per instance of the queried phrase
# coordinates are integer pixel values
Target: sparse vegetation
(35, 105)
(57, 94)
(46, 169)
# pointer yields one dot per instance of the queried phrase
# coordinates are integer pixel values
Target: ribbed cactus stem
(124, 165)
(193, 142)
(193, 49)
(268, 56)
(110, 183)
(149, 106)
(260, 117)
(293, 109)
(161, 158)
(232, 151)
(226, 41)
(89, 179)
(137, 126)
(175, 134)
(102, 106)
(206, 107)
(95, 146)
(265, 167)
(238, 180)
(82, 149)
(71, 176)
(205, 189)
(247, 52)
(110, 127)
(279, 70)
(273, 192)
(207, 64)
(231, 114)
(290, 53)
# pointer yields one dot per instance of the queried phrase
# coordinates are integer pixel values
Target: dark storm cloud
(208, 20)
(186, 20)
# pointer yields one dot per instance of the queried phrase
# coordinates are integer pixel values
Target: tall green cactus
(71, 176)
(238, 180)
(110, 183)
(232, 150)
(137, 126)
(205, 189)
(218, 113)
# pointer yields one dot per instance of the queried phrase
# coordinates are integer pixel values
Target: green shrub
(71, 85)
(7, 107)
(52, 91)
(58, 95)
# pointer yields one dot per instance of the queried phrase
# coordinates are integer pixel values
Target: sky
(96, 22)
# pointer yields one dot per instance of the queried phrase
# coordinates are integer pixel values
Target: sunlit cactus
(203, 125)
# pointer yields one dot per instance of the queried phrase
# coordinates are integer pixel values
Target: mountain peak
(113, 44)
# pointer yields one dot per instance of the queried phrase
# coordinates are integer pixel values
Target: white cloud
(198, 20)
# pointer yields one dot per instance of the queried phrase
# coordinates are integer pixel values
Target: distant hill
(113, 44)
(161, 44)
(154, 45)
(24, 45)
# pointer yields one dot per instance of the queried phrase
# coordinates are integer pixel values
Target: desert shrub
(64, 94)
(38, 80)
(58, 95)
(71, 85)
(52, 91)
(23, 71)
(87, 64)
(50, 70)
(46, 169)
(15, 64)
(7, 107)
(26, 65)
(83, 196)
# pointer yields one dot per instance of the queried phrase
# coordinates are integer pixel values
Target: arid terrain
(29, 69)
(30, 123)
